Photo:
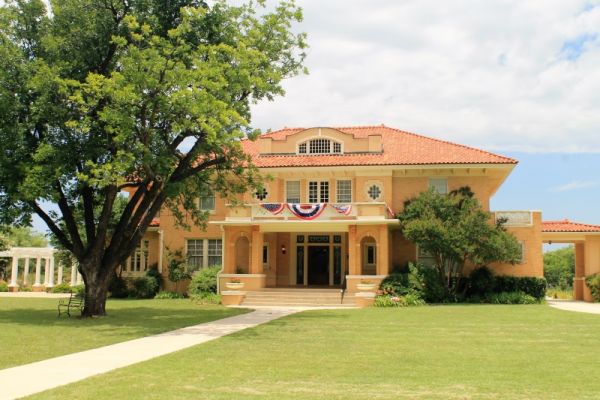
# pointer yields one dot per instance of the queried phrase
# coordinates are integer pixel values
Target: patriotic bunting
(344, 209)
(273, 208)
(306, 211)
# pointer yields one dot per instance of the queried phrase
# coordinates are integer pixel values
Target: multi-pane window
(439, 185)
(320, 146)
(215, 252)
(207, 200)
(202, 253)
(344, 191)
(195, 253)
(139, 261)
(292, 192)
(318, 192)
(374, 192)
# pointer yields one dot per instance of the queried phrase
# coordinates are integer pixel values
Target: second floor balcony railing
(307, 211)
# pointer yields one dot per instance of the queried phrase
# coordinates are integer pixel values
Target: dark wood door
(318, 265)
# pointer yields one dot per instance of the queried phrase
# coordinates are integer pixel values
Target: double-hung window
(202, 253)
(292, 192)
(207, 200)
(439, 185)
(344, 191)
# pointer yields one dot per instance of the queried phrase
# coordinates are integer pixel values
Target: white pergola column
(26, 271)
(38, 272)
(51, 274)
(46, 270)
(60, 274)
(79, 279)
(73, 273)
(14, 273)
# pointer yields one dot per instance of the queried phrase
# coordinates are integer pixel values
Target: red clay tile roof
(568, 226)
(399, 148)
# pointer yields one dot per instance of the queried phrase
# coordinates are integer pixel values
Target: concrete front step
(297, 297)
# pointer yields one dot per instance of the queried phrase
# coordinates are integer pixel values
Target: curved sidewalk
(576, 306)
(17, 381)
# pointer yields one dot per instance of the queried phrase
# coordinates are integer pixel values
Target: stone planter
(366, 287)
(234, 285)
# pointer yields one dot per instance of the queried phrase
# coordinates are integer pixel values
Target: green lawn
(437, 352)
(30, 330)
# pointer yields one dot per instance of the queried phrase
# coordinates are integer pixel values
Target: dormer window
(320, 146)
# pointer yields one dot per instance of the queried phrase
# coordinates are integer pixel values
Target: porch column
(591, 263)
(73, 273)
(353, 252)
(383, 251)
(51, 274)
(26, 272)
(60, 274)
(38, 272)
(229, 251)
(256, 265)
(578, 280)
(14, 286)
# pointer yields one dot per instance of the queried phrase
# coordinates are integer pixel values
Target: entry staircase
(298, 297)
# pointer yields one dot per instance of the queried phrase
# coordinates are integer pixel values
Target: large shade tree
(455, 230)
(152, 97)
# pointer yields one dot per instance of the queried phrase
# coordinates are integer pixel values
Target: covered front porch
(299, 254)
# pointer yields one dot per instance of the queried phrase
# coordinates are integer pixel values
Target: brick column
(353, 252)
(256, 265)
(383, 251)
(578, 281)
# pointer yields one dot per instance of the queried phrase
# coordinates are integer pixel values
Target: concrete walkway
(32, 378)
(577, 306)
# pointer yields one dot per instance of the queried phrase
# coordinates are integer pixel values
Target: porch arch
(368, 255)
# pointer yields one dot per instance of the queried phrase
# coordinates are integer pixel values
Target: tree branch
(88, 213)
(60, 235)
(69, 219)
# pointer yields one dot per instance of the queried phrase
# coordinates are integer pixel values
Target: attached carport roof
(566, 231)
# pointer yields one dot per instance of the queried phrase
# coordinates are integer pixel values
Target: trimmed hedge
(512, 298)
(3, 286)
(533, 286)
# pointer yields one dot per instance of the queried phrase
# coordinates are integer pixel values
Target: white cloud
(575, 185)
(491, 74)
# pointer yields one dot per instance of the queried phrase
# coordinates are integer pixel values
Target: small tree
(456, 231)
(178, 268)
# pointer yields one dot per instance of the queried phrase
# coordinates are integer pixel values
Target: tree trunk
(96, 278)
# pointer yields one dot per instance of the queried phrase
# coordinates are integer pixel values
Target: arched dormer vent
(320, 146)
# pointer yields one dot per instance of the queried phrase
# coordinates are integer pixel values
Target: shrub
(3, 286)
(481, 282)
(512, 298)
(61, 288)
(593, 282)
(117, 287)
(144, 287)
(204, 281)
(535, 287)
(165, 295)
(410, 299)
(206, 298)
(153, 273)
(425, 280)
(79, 290)
(395, 284)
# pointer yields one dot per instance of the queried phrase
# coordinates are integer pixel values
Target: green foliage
(204, 281)
(481, 282)
(455, 230)
(420, 280)
(165, 295)
(206, 298)
(3, 286)
(152, 272)
(178, 268)
(560, 294)
(61, 288)
(535, 287)
(117, 287)
(407, 300)
(143, 287)
(593, 283)
(395, 284)
(512, 298)
(559, 267)
(24, 236)
(78, 289)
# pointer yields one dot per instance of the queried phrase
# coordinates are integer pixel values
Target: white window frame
(205, 251)
(319, 191)
(214, 202)
(337, 190)
(331, 146)
(299, 191)
(141, 252)
(436, 183)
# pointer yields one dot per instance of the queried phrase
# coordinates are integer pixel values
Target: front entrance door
(318, 265)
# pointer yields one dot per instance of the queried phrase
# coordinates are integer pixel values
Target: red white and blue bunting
(344, 209)
(273, 208)
(306, 211)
